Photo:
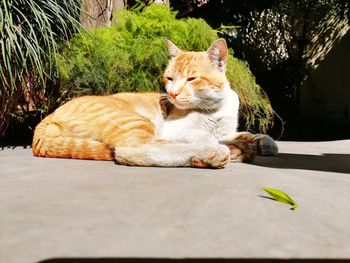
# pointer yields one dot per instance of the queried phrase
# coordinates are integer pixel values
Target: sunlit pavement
(57, 208)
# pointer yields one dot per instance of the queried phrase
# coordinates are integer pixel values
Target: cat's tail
(49, 141)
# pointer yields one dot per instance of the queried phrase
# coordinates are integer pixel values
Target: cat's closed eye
(191, 79)
(169, 78)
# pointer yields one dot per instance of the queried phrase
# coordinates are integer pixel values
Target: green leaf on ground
(282, 197)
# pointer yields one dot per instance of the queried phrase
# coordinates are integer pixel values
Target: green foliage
(282, 197)
(29, 35)
(131, 56)
(29, 30)
(255, 109)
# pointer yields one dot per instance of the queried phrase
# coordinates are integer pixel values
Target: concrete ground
(57, 208)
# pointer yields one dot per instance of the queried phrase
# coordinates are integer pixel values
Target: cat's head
(196, 80)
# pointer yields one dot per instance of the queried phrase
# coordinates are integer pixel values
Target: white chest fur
(191, 126)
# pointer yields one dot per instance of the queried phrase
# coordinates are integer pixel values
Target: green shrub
(131, 56)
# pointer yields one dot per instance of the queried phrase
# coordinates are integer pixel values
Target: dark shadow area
(187, 260)
(310, 130)
(18, 134)
(267, 197)
(337, 163)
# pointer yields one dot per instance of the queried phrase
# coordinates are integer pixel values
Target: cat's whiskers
(203, 108)
(206, 105)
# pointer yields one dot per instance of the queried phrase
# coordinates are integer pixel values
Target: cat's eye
(191, 78)
(169, 78)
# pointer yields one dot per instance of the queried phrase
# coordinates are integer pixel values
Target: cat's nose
(174, 94)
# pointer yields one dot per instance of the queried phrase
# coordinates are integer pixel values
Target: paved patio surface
(57, 208)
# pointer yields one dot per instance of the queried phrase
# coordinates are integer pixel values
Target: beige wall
(325, 94)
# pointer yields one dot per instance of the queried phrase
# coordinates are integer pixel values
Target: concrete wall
(325, 94)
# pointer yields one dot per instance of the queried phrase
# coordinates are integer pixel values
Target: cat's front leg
(265, 145)
(242, 151)
(173, 155)
(245, 145)
(213, 157)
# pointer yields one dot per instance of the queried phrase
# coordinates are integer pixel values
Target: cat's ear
(218, 53)
(173, 49)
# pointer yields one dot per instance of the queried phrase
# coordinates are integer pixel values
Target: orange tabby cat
(194, 124)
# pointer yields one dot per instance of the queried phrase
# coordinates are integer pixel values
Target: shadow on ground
(187, 260)
(337, 163)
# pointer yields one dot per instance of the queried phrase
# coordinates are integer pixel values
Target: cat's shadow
(327, 162)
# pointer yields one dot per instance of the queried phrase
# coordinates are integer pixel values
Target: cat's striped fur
(187, 127)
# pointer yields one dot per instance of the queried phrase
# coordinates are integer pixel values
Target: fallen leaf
(282, 197)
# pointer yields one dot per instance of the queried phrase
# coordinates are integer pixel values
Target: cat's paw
(242, 151)
(265, 145)
(215, 158)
